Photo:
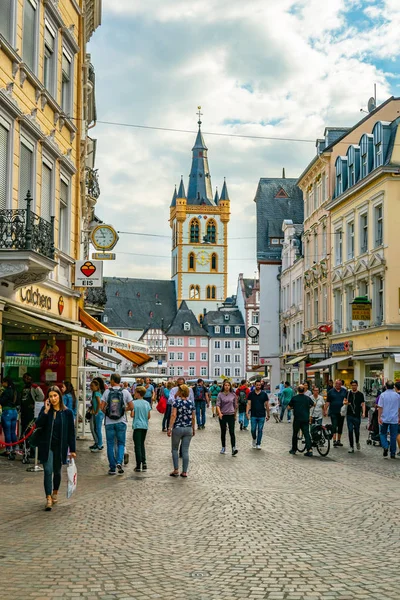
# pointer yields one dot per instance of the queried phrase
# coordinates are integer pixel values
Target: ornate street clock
(104, 237)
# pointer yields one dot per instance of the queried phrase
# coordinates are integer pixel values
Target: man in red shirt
(242, 393)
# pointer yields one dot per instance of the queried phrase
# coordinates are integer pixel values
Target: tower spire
(200, 115)
(181, 191)
(224, 193)
(200, 190)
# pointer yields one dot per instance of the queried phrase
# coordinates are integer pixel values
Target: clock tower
(199, 223)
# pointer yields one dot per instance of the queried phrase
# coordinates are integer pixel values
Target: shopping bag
(72, 478)
(162, 405)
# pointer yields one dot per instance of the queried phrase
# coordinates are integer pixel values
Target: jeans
(96, 427)
(289, 413)
(52, 472)
(185, 434)
(227, 421)
(353, 427)
(257, 426)
(305, 428)
(167, 416)
(243, 419)
(115, 432)
(9, 423)
(200, 412)
(337, 423)
(139, 437)
(393, 430)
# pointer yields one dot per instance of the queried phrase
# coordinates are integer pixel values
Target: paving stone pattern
(261, 525)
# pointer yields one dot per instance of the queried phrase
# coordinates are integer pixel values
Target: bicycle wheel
(323, 445)
(301, 442)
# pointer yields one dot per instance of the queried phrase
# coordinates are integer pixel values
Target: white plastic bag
(72, 478)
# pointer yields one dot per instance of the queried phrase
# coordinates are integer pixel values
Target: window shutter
(45, 212)
(5, 18)
(3, 165)
(25, 174)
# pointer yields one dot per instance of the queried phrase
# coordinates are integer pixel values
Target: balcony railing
(22, 229)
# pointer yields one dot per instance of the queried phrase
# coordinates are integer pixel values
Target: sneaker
(335, 443)
(339, 444)
(245, 429)
(241, 426)
(253, 444)
(120, 470)
(144, 467)
(100, 448)
(222, 451)
(308, 453)
(292, 451)
(385, 452)
(351, 451)
(137, 469)
(235, 451)
(289, 422)
(112, 472)
(358, 446)
(258, 446)
(95, 449)
(392, 456)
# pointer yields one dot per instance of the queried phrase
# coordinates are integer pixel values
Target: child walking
(141, 415)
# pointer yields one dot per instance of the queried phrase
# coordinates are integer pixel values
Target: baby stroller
(26, 449)
(373, 428)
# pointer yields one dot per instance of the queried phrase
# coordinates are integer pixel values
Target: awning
(326, 363)
(94, 363)
(48, 323)
(296, 359)
(369, 357)
(137, 358)
(104, 355)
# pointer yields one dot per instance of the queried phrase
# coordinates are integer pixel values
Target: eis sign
(88, 273)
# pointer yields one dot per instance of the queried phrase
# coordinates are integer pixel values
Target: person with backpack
(242, 393)
(201, 398)
(214, 390)
(115, 402)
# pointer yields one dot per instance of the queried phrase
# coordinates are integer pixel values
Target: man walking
(301, 405)
(115, 402)
(335, 401)
(389, 418)
(201, 398)
(150, 394)
(214, 390)
(355, 403)
(243, 393)
(285, 397)
(258, 406)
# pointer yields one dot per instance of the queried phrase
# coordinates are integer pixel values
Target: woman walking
(9, 416)
(226, 410)
(57, 434)
(181, 428)
(167, 414)
(69, 397)
(96, 420)
(318, 410)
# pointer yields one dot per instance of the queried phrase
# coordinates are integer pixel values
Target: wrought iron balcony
(22, 229)
(92, 183)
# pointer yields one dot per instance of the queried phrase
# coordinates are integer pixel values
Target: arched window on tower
(194, 231)
(194, 292)
(174, 235)
(192, 262)
(211, 231)
(214, 262)
(211, 292)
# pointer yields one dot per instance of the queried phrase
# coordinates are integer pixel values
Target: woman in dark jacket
(9, 415)
(57, 435)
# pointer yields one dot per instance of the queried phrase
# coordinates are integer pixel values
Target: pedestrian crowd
(183, 407)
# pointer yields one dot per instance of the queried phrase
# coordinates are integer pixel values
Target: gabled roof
(149, 300)
(185, 315)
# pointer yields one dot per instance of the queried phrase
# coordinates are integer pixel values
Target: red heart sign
(88, 268)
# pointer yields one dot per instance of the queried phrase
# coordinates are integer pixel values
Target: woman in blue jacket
(57, 435)
(69, 397)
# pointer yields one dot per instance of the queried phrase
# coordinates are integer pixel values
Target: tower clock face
(203, 258)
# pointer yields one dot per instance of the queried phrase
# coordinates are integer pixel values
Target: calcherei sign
(88, 273)
(34, 297)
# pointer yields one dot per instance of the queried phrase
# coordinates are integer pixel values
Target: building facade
(44, 194)
(276, 199)
(187, 346)
(227, 344)
(293, 358)
(248, 303)
(199, 223)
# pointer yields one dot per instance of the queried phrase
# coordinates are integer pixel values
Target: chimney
(283, 173)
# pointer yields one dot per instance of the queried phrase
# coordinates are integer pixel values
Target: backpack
(199, 392)
(242, 398)
(115, 408)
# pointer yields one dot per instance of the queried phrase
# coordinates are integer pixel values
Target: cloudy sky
(263, 67)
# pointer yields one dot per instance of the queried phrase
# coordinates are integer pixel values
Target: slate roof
(272, 211)
(185, 315)
(217, 317)
(151, 302)
(200, 189)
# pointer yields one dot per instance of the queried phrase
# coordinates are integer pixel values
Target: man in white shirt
(174, 391)
(116, 401)
(389, 418)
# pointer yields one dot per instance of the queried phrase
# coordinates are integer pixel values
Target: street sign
(103, 255)
(88, 273)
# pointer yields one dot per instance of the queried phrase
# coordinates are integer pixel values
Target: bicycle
(320, 439)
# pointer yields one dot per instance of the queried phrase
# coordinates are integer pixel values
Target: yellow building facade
(47, 192)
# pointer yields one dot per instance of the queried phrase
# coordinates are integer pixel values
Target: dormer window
(381, 133)
(353, 162)
(130, 313)
(217, 329)
(105, 319)
(341, 175)
(226, 317)
(237, 329)
(367, 154)
(227, 329)
(186, 326)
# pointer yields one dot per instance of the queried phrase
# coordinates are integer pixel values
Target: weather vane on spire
(200, 115)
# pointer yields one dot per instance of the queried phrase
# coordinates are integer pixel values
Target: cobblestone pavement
(261, 525)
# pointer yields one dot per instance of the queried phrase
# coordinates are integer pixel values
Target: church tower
(199, 222)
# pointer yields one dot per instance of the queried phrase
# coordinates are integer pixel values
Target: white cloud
(262, 68)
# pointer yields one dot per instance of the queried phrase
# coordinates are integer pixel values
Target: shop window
(194, 231)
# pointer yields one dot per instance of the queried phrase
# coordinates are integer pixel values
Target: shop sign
(346, 346)
(35, 298)
(361, 312)
(88, 273)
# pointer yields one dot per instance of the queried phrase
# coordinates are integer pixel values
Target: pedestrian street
(263, 524)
